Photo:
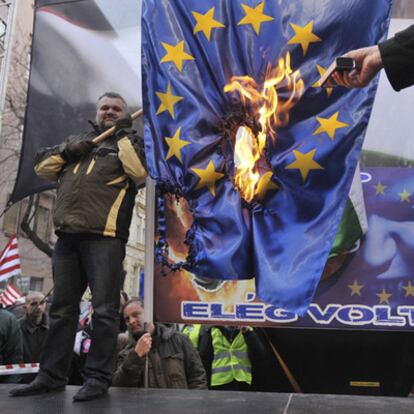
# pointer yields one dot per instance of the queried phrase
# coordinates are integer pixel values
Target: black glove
(77, 150)
(123, 123)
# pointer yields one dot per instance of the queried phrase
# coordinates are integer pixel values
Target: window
(36, 283)
(11, 220)
(23, 283)
(41, 223)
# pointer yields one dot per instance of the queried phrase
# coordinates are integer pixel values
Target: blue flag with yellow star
(237, 125)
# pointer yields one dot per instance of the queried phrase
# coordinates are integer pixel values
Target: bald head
(35, 307)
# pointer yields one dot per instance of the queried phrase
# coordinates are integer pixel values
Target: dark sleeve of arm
(129, 371)
(196, 375)
(256, 348)
(206, 352)
(13, 350)
(397, 56)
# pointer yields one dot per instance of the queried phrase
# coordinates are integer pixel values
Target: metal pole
(149, 260)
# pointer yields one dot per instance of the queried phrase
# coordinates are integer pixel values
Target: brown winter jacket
(173, 363)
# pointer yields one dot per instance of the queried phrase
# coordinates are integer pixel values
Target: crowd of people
(149, 355)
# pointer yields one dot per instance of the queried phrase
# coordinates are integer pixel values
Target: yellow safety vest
(231, 361)
(193, 332)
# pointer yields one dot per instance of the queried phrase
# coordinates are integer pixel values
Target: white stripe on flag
(13, 291)
(10, 295)
(10, 260)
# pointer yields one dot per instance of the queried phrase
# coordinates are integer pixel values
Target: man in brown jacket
(173, 362)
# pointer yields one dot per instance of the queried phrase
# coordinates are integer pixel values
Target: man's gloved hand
(77, 150)
(123, 123)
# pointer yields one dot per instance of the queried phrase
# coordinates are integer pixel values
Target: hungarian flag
(10, 295)
(10, 260)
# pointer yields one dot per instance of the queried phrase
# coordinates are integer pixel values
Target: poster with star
(253, 160)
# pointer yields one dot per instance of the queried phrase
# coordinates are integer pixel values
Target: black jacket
(398, 58)
(33, 338)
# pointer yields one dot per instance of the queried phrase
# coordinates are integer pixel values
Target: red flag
(10, 260)
(10, 295)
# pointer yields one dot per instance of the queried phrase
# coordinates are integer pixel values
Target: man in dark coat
(173, 362)
(34, 326)
(395, 55)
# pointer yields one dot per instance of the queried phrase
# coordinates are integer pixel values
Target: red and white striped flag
(10, 260)
(10, 295)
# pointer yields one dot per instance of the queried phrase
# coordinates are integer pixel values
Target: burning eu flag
(236, 124)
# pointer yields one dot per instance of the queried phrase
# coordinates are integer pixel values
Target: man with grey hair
(95, 196)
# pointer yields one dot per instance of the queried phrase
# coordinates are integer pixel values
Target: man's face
(134, 318)
(35, 308)
(108, 111)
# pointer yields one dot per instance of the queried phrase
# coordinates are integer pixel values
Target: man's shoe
(35, 387)
(90, 391)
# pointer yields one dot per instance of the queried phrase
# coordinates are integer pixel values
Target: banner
(236, 124)
(370, 287)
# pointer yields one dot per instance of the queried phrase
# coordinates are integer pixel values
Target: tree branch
(25, 226)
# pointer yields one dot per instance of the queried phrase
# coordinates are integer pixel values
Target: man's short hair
(34, 294)
(132, 300)
(113, 95)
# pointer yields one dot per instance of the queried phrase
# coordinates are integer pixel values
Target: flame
(268, 105)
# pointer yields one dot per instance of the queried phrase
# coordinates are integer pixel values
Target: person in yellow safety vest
(193, 332)
(231, 356)
(231, 360)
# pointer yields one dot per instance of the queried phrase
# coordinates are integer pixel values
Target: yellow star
(255, 16)
(265, 184)
(409, 289)
(168, 100)
(321, 71)
(304, 163)
(384, 297)
(329, 125)
(379, 188)
(405, 196)
(304, 36)
(355, 288)
(174, 145)
(206, 22)
(175, 54)
(208, 177)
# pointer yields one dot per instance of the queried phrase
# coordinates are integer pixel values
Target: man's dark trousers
(80, 260)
